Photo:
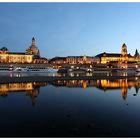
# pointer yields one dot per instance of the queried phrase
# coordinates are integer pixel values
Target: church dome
(4, 49)
(33, 48)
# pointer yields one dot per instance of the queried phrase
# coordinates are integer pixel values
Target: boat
(138, 70)
(35, 70)
(6, 69)
(127, 70)
(20, 69)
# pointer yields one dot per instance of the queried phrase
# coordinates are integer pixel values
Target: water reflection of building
(5, 89)
(76, 83)
(124, 84)
(31, 89)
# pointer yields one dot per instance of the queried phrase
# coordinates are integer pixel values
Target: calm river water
(76, 108)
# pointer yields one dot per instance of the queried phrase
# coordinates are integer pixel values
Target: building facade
(123, 57)
(31, 55)
(40, 60)
(14, 57)
(58, 60)
(74, 60)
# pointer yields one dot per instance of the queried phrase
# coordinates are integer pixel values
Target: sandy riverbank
(50, 78)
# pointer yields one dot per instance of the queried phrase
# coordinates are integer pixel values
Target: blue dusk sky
(64, 29)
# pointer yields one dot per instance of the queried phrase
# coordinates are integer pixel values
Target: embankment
(6, 79)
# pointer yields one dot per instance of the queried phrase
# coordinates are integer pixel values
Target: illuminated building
(33, 49)
(58, 60)
(137, 56)
(124, 57)
(40, 60)
(14, 57)
(81, 60)
(32, 55)
(74, 60)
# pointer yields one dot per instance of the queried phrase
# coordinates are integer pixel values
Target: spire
(124, 45)
(124, 50)
(33, 39)
(33, 42)
(136, 53)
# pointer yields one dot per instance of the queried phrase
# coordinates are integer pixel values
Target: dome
(4, 49)
(33, 48)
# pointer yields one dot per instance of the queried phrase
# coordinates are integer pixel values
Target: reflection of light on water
(98, 82)
(84, 84)
(73, 81)
(71, 74)
(136, 78)
(64, 74)
(18, 75)
(125, 74)
(88, 74)
(10, 75)
(105, 84)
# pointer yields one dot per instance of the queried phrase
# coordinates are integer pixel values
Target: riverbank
(6, 79)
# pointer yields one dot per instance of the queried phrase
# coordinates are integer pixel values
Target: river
(71, 108)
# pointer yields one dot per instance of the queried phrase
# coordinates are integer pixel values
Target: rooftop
(111, 55)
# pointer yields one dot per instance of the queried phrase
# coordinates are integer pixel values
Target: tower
(124, 50)
(33, 49)
(136, 53)
(33, 42)
(124, 85)
(124, 57)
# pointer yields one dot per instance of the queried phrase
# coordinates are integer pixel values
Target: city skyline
(64, 29)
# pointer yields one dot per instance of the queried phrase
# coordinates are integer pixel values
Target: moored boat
(35, 69)
(138, 70)
(6, 69)
(127, 70)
